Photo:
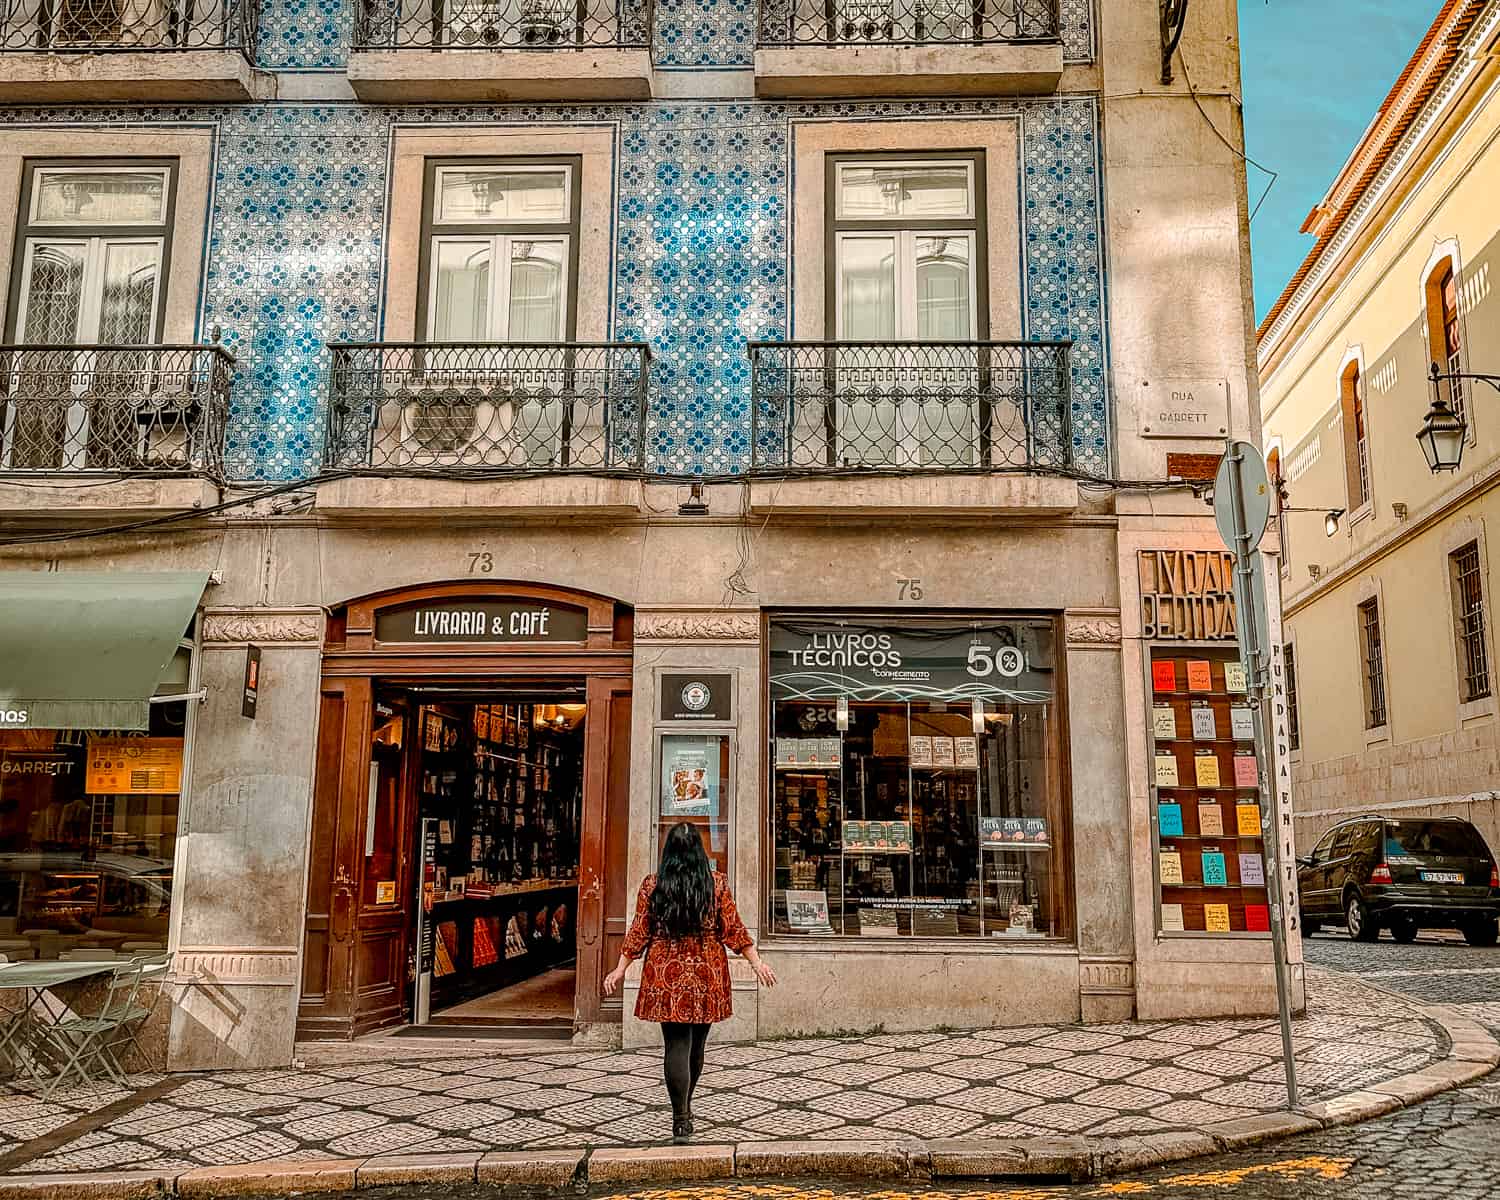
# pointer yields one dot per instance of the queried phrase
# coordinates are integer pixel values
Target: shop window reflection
(925, 819)
(88, 834)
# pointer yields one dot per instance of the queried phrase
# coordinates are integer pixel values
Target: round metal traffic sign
(1255, 489)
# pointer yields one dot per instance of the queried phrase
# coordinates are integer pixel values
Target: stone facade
(295, 228)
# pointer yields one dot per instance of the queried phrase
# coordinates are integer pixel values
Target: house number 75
(908, 589)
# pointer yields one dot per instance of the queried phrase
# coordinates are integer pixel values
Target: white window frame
(86, 333)
(500, 245)
(844, 166)
(34, 221)
(441, 172)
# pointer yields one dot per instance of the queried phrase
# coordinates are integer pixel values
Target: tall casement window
(1445, 331)
(92, 253)
(1356, 440)
(1372, 656)
(1468, 616)
(907, 251)
(499, 256)
(1293, 716)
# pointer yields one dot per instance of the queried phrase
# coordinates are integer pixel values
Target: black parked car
(1374, 873)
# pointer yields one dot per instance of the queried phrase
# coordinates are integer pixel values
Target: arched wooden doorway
(463, 638)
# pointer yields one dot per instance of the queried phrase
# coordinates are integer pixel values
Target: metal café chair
(80, 1044)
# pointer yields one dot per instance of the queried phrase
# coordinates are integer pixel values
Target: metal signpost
(1242, 506)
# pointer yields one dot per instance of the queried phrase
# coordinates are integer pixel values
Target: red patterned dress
(686, 979)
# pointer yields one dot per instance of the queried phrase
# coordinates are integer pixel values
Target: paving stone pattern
(1109, 1080)
(1435, 970)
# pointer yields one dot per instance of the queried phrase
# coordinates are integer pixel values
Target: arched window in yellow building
(1356, 441)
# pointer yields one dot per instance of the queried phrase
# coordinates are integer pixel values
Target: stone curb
(1472, 1054)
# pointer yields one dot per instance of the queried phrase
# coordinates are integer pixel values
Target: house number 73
(481, 562)
(908, 588)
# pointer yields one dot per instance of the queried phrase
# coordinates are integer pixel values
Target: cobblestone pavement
(1113, 1080)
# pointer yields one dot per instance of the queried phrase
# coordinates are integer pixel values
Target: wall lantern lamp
(1331, 516)
(1443, 431)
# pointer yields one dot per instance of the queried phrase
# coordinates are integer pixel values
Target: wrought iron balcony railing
(487, 407)
(102, 26)
(910, 406)
(906, 22)
(502, 24)
(125, 410)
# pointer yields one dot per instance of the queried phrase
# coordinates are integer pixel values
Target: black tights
(684, 1062)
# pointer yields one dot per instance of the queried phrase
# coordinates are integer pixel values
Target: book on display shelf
(1203, 723)
(1216, 918)
(1164, 676)
(1163, 723)
(1171, 868)
(1245, 773)
(1166, 771)
(1235, 678)
(1210, 820)
(1200, 675)
(1169, 819)
(1206, 769)
(1215, 871)
(1247, 819)
(1242, 723)
(1171, 918)
(1258, 918)
(1252, 870)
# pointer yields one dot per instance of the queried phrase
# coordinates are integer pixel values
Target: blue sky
(1314, 72)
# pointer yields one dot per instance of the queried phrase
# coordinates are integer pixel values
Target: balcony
(499, 50)
(990, 419)
(523, 426)
(812, 48)
(145, 422)
(55, 51)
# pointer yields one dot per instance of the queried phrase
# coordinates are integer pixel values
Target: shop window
(499, 256)
(1356, 439)
(1210, 844)
(88, 836)
(695, 787)
(916, 789)
(1372, 663)
(1467, 584)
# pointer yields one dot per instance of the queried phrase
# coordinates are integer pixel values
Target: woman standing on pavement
(684, 918)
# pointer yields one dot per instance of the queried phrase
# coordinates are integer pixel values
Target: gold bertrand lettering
(1187, 595)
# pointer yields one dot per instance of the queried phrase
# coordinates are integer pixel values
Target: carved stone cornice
(700, 626)
(263, 626)
(1093, 629)
(267, 966)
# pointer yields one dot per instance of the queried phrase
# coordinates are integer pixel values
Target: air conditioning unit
(441, 429)
(867, 21)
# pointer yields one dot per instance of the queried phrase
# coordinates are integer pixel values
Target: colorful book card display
(1241, 723)
(1164, 677)
(1206, 769)
(1166, 771)
(1169, 819)
(1235, 679)
(1171, 918)
(1200, 674)
(1257, 918)
(1171, 867)
(1245, 774)
(1216, 918)
(1247, 819)
(1163, 723)
(1210, 820)
(1214, 872)
(1203, 723)
(1252, 870)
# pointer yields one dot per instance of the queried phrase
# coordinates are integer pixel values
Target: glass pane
(943, 309)
(461, 299)
(83, 197)
(469, 195)
(54, 293)
(867, 289)
(127, 305)
(886, 190)
(87, 839)
(694, 783)
(536, 291)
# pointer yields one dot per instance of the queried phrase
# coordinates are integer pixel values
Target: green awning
(86, 649)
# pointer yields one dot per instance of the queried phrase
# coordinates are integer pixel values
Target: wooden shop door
(602, 901)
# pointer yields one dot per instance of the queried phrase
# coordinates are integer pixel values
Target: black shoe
(682, 1129)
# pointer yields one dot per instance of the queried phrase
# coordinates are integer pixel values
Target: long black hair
(682, 903)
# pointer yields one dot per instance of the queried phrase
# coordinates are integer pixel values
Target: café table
(23, 1036)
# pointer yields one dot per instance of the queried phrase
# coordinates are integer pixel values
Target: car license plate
(1441, 877)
